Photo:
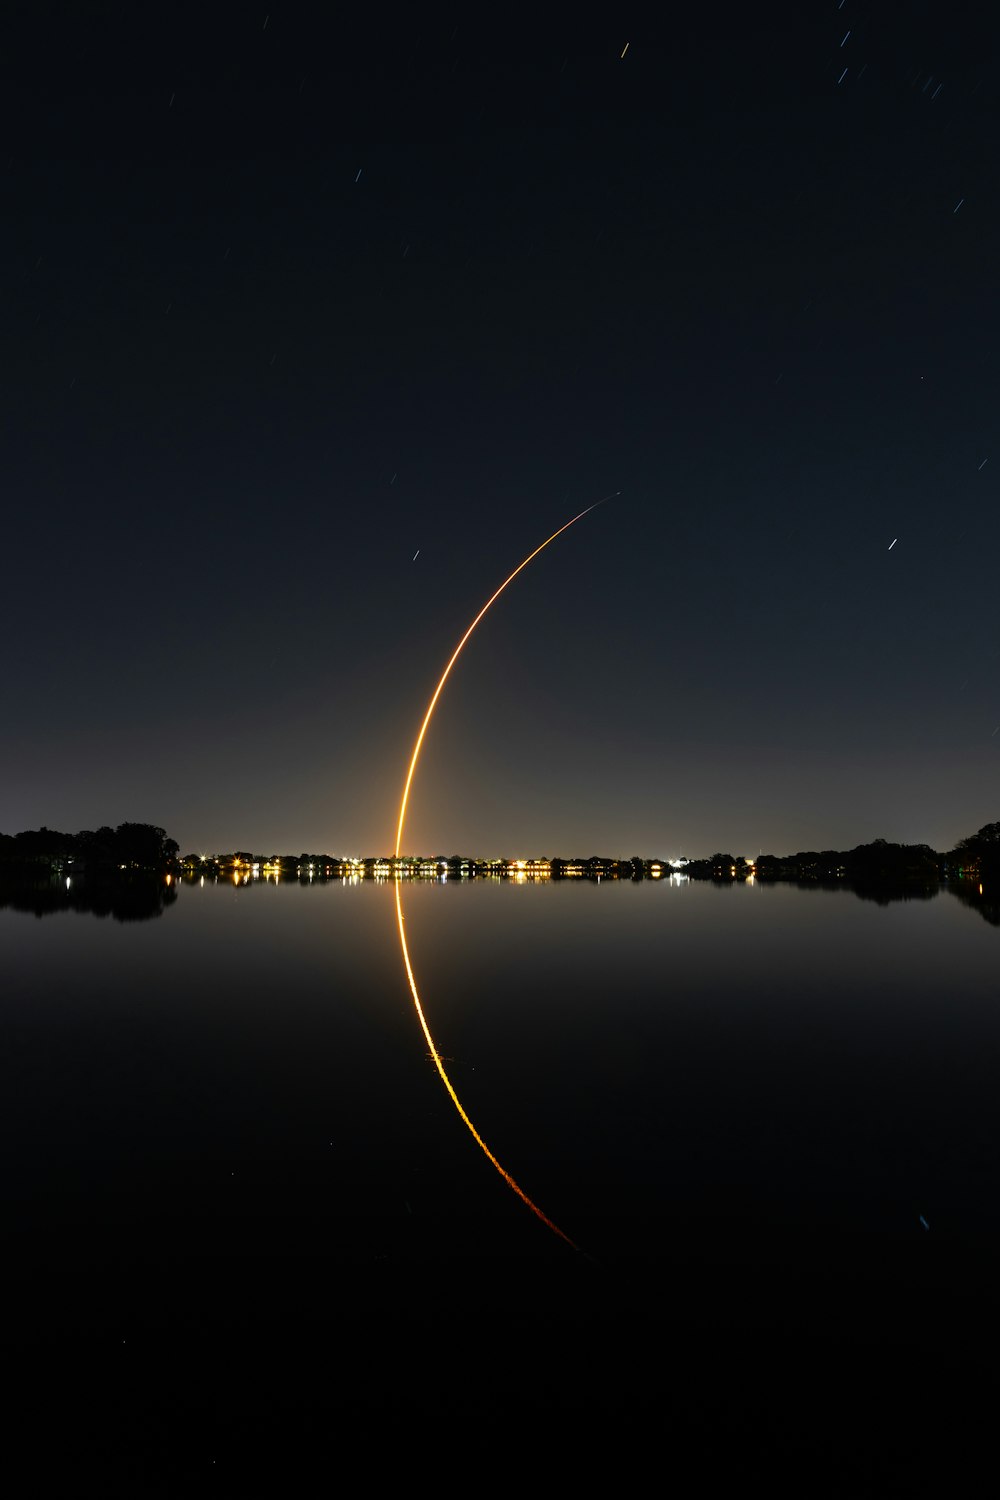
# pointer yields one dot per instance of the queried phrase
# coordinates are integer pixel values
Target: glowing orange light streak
(435, 1054)
(458, 651)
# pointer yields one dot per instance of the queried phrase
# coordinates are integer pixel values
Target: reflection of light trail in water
(439, 1064)
(435, 1054)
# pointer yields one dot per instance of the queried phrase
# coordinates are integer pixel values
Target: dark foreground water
(245, 1223)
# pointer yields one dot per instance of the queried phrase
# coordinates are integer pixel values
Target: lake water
(756, 1109)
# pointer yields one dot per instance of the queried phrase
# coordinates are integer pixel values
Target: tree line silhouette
(976, 857)
(130, 846)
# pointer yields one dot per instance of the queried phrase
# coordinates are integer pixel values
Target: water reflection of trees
(968, 892)
(886, 895)
(988, 906)
(882, 895)
(125, 899)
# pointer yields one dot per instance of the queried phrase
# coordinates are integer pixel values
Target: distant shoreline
(136, 847)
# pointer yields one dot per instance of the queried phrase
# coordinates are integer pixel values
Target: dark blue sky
(242, 385)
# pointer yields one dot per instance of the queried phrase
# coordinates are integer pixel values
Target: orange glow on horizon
(435, 1054)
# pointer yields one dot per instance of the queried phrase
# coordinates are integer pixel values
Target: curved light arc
(411, 978)
(457, 653)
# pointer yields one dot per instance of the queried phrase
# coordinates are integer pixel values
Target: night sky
(287, 301)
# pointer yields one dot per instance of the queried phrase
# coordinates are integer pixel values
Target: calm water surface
(709, 1065)
(244, 1223)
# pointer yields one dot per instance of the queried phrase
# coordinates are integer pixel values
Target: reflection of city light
(435, 1055)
